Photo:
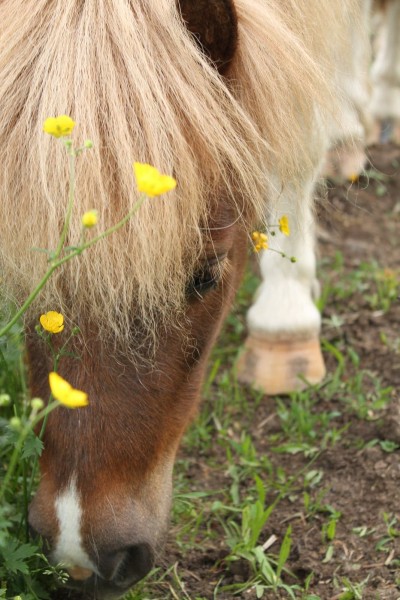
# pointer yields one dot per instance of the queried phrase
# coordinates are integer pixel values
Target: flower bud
(89, 219)
(15, 423)
(5, 400)
(37, 404)
(88, 144)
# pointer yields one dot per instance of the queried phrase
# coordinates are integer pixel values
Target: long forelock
(137, 85)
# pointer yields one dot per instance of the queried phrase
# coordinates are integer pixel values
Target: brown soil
(362, 482)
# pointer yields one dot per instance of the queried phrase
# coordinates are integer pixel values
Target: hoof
(345, 162)
(351, 163)
(281, 366)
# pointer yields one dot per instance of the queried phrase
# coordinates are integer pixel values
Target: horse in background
(234, 98)
(282, 350)
(370, 85)
(385, 72)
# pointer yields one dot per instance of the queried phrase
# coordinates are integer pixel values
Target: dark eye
(206, 278)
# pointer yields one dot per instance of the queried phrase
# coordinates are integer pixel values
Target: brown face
(104, 498)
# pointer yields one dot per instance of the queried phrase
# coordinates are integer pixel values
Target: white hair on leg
(385, 72)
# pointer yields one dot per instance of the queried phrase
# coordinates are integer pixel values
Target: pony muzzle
(125, 567)
(117, 572)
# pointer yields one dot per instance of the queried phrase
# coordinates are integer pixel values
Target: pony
(235, 99)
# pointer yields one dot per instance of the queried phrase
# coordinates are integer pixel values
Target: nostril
(127, 566)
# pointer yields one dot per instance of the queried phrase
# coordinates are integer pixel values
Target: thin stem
(117, 226)
(71, 198)
(29, 300)
(35, 463)
(57, 263)
(50, 271)
(105, 233)
(18, 446)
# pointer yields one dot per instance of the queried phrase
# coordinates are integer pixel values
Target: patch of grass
(378, 284)
(379, 180)
(349, 590)
(306, 427)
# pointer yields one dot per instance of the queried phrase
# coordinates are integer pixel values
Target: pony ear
(214, 26)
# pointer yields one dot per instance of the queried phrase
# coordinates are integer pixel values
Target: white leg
(347, 157)
(284, 323)
(282, 351)
(385, 72)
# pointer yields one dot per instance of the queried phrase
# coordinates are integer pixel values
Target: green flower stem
(115, 227)
(56, 359)
(71, 198)
(18, 446)
(58, 262)
(77, 251)
(26, 501)
(35, 462)
(60, 245)
(29, 300)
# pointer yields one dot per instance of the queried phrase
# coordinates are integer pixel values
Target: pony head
(209, 92)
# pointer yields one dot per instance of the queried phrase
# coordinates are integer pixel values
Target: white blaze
(69, 549)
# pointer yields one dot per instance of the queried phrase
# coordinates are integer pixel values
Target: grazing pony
(235, 99)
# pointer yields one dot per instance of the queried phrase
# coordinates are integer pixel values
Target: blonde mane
(130, 75)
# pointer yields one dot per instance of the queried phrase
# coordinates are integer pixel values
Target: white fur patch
(69, 550)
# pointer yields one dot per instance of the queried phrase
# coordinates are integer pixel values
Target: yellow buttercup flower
(89, 218)
(59, 126)
(284, 225)
(260, 241)
(65, 393)
(52, 321)
(150, 181)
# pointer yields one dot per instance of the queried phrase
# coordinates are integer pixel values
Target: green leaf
(331, 530)
(388, 446)
(329, 554)
(260, 590)
(33, 446)
(39, 591)
(284, 551)
(15, 555)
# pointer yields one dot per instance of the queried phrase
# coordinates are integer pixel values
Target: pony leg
(385, 74)
(284, 323)
(347, 158)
